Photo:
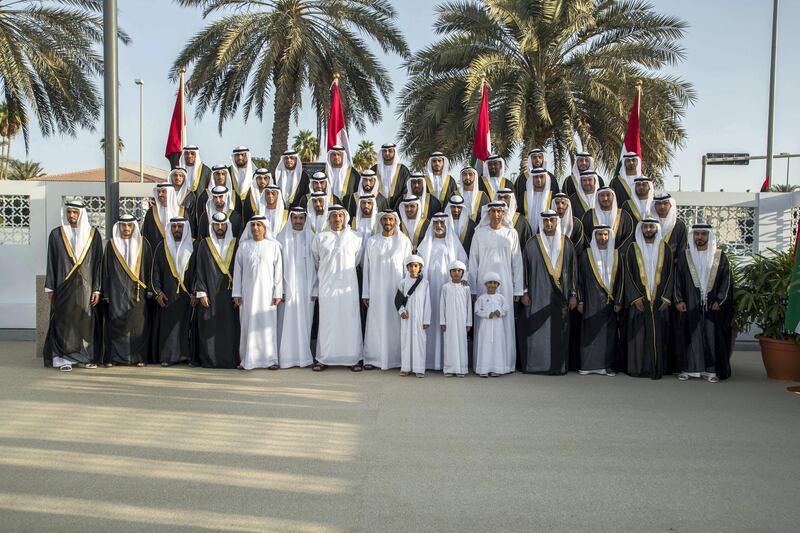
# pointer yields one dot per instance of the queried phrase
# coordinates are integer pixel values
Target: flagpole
(183, 108)
(111, 107)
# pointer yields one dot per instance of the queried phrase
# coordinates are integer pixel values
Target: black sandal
(358, 367)
(319, 367)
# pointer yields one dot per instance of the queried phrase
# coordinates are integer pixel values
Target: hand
(516, 299)
(50, 296)
(404, 315)
(277, 301)
(664, 305)
(95, 299)
(365, 301)
(106, 300)
(715, 306)
(580, 308)
(465, 283)
(192, 300)
(425, 326)
(443, 327)
(573, 303)
(313, 298)
(681, 307)
(617, 308)
(237, 303)
(204, 302)
(526, 300)
(469, 328)
(639, 304)
(161, 299)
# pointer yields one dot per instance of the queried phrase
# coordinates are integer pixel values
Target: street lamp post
(111, 108)
(771, 111)
(140, 83)
(680, 181)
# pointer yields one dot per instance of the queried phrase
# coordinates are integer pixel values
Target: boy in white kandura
(490, 339)
(413, 304)
(455, 315)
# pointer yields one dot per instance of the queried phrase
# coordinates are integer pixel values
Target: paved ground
(184, 449)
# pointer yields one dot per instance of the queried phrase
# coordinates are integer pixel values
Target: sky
(728, 53)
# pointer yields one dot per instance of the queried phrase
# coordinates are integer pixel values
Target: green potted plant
(741, 318)
(760, 300)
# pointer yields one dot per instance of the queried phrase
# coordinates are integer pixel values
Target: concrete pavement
(183, 449)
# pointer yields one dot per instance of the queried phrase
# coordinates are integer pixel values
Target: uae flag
(792, 320)
(631, 142)
(482, 142)
(337, 134)
(177, 128)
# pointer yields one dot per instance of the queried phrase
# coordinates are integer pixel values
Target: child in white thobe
(455, 315)
(490, 338)
(415, 315)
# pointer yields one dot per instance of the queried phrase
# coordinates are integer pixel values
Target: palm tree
(26, 170)
(49, 50)
(10, 125)
(306, 144)
(278, 48)
(561, 71)
(120, 144)
(783, 187)
(365, 156)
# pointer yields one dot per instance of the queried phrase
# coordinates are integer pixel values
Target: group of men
(236, 266)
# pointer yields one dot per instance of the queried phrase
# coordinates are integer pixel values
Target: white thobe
(490, 338)
(296, 313)
(498, 251)
(437, 273)
(382, 272)
(455, 312)
(257, 279)
(412, 330)
(336, 254)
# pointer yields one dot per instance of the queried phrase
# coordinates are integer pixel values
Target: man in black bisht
(549, 260)
(704, 295)
(73, 284)
(599, 292)
(171, 282)
(198, 174)
(217, 319)
(219, 202)
(647, 297)
(126, 270)
(392, 174)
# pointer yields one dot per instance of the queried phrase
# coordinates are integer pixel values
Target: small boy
(455, 314)
(413, 304)
(491, 352)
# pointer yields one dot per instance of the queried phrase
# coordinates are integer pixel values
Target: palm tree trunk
(280, 126)
(5, 155)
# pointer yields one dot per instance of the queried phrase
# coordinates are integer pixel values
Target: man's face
(262, 180)
(219, 202)
(336, 220)
(178, 180)
(439, 228)
(162, 196)
(538, 181)
(456, 210)
(410, 209)
(177, 231)
(368, 183)
(258, 230)
(601, 238)
(190, 158)
(700, 239)
(649, 231)
(73, 215)
(549, 226)
(561, 206)
(662, 208)
(388, 155)
(272, 198)
(642, 189)
(319, 205)
(366, 208)
(220, 177)
(630, 165)
(437, 164)
(319, 185)
(388, 223)
(290, 161)
(468, 178)
(126, 229)
(220, 229)
(605, 200)
(588, 184)
(337, 158)
(583, 163)
(494, 167)
(417, 186)
(298, 221)
(240, 158)
(414, 269)
(496, 217)
(505, 198)
(537, 159)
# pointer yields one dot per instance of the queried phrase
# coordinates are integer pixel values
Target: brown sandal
(318, 367)
(273, 367)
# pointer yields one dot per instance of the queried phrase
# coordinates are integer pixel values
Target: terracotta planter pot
(781, 358)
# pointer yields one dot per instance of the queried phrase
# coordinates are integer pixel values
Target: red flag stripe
(336, 123)
(480, 144)
(175, 135)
